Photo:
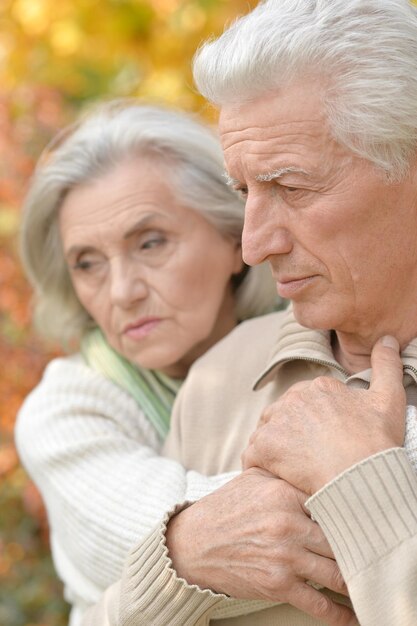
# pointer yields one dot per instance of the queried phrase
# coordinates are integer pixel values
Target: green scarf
(153, 391)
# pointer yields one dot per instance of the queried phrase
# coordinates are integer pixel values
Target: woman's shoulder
(62, 366)
(70, 381)
(72, 397)
(71, 371)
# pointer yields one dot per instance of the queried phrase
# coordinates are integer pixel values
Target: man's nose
(265, 232)
(128, 284)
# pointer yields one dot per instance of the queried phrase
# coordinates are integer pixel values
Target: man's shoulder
(268, 325)
(250, 340)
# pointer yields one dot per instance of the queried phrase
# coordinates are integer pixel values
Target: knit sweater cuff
(152, 592)
(368, 510)
(199, 485)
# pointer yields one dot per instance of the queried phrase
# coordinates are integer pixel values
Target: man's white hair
(362, 52)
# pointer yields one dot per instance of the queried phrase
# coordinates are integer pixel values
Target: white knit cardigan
(95, 458)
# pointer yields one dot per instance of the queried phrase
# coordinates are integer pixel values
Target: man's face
(341, 242)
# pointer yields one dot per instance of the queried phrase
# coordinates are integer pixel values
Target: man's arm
(342, 445)
(369, 515)
(251, 539)
(320, 428)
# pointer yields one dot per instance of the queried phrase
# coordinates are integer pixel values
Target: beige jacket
(369, 513)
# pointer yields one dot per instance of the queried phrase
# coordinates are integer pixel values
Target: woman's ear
(238, 263)
(240, 269)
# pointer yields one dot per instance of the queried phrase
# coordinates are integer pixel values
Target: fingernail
(390, 342)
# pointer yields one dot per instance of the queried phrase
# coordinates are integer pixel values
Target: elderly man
(319, 130)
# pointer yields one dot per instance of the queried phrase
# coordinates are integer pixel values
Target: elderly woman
(131, 239)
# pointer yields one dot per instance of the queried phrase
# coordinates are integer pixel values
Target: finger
(301, 385)
(320, 606)
(316, 542)
(387, 368)
(322, 571)
(312, 537)
(302, 498)
(259, 471)
(249, 458)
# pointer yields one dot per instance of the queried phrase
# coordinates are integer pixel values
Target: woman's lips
(289, 288)
(141, 328)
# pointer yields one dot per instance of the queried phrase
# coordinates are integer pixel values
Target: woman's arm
(249, 539)
(150, 592)
(94, 457)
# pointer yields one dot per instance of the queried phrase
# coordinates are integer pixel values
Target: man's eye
(288, 190)
(153, 242)
(242, 192)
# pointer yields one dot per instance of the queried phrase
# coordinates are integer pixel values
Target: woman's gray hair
(363, 52)
(113, 132)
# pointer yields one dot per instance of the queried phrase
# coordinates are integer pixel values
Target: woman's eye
(82, 265)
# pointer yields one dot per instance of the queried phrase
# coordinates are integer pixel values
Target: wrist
(347, 462)
(173, 541)
(182, 539)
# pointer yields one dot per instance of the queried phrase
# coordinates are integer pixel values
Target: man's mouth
(290, 286)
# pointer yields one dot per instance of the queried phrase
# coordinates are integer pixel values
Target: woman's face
(153, 274)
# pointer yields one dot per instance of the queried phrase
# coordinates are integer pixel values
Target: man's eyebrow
(279, 173)
(230, 182)
(265, 178)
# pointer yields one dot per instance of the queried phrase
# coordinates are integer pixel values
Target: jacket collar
(297, 343)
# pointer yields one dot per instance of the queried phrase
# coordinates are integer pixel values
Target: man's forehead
(298, 97)
(278, 133)
(263, 129)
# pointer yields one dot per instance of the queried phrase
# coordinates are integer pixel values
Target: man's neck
(352, 356)
(353, 352)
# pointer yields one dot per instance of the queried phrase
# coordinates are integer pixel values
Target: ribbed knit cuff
(153, 594)
(199, 486)
(368, 510)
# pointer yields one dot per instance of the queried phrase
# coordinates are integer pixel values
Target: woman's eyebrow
(75, 250)
(142, 222)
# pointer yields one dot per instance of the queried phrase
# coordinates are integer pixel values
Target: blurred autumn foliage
(55, 58)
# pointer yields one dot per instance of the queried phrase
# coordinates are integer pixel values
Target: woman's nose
(265, 233)
(128, 284)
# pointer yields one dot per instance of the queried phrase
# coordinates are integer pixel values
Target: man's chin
(312, 316)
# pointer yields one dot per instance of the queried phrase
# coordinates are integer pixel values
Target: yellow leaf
(65, 37)
(33, 15)
(9, 222)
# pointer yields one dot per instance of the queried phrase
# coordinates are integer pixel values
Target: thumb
(387, 367)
